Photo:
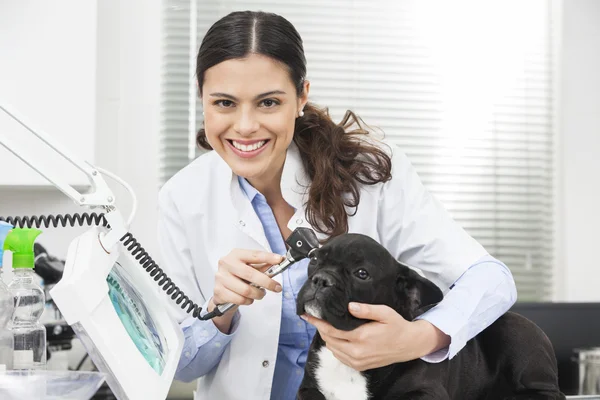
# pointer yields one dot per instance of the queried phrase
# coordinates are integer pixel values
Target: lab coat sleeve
(204, 346)
(176, 255)
(477, 299)
(417, 230)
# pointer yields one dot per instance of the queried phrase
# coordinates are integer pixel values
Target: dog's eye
(362, 274)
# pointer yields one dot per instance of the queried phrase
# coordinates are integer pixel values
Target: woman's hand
(237, 270)
(232, 281)
(388, 339)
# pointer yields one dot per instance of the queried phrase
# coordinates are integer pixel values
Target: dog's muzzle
(315, 293)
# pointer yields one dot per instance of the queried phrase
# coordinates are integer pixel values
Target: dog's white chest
(337, 381)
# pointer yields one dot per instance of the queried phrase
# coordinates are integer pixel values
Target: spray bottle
(6, 310)
(28, 334)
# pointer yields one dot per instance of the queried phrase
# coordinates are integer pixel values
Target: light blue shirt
(481, 295)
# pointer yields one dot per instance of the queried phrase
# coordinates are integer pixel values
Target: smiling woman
(280, 163)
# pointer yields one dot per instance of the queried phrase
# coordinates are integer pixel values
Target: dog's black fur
(511, 359)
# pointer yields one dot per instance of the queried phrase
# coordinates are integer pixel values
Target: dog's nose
(322, 279)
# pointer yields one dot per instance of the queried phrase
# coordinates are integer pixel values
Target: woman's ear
(303, 99)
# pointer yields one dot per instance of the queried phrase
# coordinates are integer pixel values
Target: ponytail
(337, 162)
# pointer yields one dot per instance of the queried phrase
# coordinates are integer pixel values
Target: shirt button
(287, 295)
(265, 363)
(187, 354)
(299, 324)
(242, 223)
(217, 344)
(299, 221)
(302, 344)
(298, 372)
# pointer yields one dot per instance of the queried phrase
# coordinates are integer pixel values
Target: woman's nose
(246, 123)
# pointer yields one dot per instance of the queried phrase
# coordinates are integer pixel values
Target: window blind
(464, 88)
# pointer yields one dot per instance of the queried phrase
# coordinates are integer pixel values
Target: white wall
(124, 121)
(129, 59)
(580, 150)
(47, 74)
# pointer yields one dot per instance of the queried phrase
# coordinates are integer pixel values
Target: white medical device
(111, 289)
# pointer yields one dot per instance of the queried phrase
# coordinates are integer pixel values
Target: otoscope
(302, 243)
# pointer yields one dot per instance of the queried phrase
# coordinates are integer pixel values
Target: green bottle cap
(20, 242)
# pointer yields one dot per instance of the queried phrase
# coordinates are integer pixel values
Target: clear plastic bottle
(6, 336)
(29, 334)
(6, 310)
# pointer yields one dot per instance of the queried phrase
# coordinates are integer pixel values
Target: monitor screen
(136, 319)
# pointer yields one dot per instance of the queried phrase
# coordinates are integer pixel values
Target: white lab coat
(204, 214)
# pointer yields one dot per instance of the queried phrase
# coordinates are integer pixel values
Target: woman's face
(250, 107)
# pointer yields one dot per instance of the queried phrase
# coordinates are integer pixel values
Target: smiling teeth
(250, 147)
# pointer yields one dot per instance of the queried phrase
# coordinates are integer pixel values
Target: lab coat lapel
(247, 221)
(295, 184)
(294, 180)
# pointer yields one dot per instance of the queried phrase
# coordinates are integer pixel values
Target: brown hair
(335, 158)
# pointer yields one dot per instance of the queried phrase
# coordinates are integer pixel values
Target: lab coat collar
(294, 179)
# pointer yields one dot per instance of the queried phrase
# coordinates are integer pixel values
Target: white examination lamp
(114, 305)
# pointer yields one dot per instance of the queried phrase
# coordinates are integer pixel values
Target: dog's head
(354, 267)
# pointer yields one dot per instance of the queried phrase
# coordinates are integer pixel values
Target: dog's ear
(420, 294)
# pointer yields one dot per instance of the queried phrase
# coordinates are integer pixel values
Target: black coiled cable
(129, 242)
(47, 221)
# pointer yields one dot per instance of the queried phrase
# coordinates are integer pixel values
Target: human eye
(270, 103)
(224, 103)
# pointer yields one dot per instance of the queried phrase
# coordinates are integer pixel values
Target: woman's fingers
(256, 256)
(237, 264)
(240, 277)
(223, 295)
(236, 285)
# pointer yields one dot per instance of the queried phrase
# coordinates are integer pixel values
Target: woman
(279, 163)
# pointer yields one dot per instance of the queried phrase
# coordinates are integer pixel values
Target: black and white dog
(511, 359)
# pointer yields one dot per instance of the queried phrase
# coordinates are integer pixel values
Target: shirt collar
(247, 188)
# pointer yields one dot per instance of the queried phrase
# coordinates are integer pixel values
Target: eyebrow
(260, 96)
